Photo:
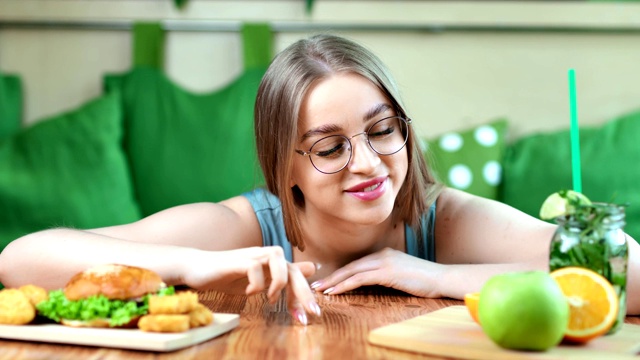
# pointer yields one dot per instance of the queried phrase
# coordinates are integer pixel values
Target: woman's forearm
(457, 280)
(49, 258)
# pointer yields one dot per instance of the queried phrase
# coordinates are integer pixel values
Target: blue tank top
(268, 210)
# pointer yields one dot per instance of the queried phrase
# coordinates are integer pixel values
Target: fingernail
(328, 291)
(302, 317)
(315, 285)
(315, 308)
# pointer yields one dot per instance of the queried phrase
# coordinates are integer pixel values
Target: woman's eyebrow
(333, 128)
(375, 111)
(321, 130)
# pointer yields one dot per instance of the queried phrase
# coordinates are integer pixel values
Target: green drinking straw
(575, 135)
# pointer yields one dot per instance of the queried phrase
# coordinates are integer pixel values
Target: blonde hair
(277, 108)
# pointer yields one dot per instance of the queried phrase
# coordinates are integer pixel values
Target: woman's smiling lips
(369, 190)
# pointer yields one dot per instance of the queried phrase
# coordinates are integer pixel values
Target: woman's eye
(330, 147)
(383, 128)
(335, 151)
(381, 132)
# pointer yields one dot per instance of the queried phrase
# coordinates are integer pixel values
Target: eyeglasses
(331, 154)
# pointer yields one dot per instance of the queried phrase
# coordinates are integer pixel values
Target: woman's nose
(363, 158)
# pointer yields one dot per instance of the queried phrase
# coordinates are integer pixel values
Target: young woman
(349, 202)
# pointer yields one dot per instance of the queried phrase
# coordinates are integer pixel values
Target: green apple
(523, 310)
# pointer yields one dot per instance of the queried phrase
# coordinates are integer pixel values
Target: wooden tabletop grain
(268, 331)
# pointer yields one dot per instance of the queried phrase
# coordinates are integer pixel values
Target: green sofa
(145, 145)
(89, 167)
(522, 173)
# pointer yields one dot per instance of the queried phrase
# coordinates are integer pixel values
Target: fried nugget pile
(18, 306)
(170, 313)
(175, 313)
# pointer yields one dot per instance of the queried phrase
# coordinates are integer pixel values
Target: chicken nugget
(36, 294)
(180, 303)
(15, 308)
(164, 323)
(200, 316)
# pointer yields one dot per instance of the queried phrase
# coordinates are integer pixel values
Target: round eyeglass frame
(407, 122)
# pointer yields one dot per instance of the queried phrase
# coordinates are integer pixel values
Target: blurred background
(485, 82)
(458, 63)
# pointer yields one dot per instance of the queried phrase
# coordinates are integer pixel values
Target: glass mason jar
(595, 241)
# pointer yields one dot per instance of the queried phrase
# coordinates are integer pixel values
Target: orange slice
(471, 300)
(593, 303)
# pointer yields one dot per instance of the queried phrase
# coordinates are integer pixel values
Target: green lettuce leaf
(119, 312)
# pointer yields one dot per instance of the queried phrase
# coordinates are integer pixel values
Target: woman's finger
(296, 309)
(355, 281)
(278, 271)
(256, 278)
(307, 268)
(300, 298)
(367, 263)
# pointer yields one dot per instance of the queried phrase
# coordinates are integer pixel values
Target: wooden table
(268, 332)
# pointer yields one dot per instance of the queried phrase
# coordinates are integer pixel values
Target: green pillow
(540, 164)
(185, 147)
(10, 105)
(68, 170)
(471, 159)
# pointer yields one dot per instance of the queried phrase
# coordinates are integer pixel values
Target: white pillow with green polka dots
(471, 159)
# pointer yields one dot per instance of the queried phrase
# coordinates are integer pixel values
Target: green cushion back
(258, 44)
(470, 159)
(148, 45)
(185, 147)
(10, 104)
(68, 170)
(539, 165)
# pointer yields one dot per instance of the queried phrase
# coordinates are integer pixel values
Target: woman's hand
(388, 267)
(252, 270)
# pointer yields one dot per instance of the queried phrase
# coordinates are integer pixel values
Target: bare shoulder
(229, 224)
(452, 203)
(240, 205)
(465, 207)
(472, 229)
(451, 198)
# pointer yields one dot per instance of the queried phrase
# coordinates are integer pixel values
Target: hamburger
(110, 295)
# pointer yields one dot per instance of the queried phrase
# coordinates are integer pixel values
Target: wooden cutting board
(121, 338)
(452, 333)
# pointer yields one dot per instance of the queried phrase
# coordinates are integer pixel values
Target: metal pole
(293, 26)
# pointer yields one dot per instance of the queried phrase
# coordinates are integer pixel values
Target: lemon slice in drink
(564, 202)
